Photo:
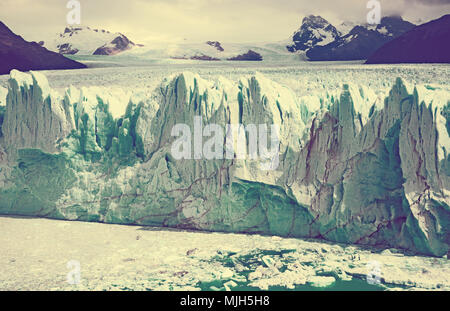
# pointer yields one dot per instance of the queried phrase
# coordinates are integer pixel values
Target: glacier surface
(358, 164)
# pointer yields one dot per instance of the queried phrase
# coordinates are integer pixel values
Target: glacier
(354, 168)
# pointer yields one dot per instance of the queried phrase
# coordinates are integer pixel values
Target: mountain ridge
(84, 40)
(361, 41)
(427, 43)
(16, 53)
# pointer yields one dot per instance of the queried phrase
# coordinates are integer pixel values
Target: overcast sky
(200, 20)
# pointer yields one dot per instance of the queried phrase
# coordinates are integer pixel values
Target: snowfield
(35, 253)
(304, 78)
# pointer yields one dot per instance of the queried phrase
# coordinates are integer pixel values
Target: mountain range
(394, 40)
(314, 31)
(324, 42)
(316, 39)
(88, 41)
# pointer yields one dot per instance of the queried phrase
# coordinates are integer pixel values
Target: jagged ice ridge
(353, 169)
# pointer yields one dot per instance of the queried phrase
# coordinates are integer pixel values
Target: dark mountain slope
(427, 43)
(16, 53)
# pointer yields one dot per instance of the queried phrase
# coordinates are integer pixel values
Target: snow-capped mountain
(16, 53)
(89, 41)
(314, 30)
(213, 51)
(427, 43)
(361, 41)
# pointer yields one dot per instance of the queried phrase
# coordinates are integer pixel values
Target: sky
(237, 21)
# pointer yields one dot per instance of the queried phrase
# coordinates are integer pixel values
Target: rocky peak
(72, 29)
(249, 56)
(361, 41)
(119, 44)
(314, 30)
(84, 40)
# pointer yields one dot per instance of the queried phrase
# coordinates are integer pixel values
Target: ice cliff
(352, 169)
